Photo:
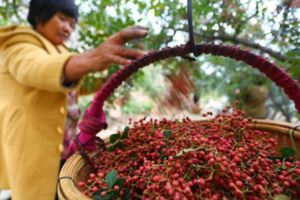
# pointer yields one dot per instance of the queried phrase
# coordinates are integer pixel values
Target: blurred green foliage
(266, 27)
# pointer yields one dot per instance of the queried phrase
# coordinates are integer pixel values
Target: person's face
(57, 29)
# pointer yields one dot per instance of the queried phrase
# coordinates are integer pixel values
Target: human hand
(113, 51)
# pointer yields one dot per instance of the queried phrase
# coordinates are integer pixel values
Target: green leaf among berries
(114, 137)
(97, 195)
(167, 133)
(125, 133)
(111, 178)
(287, 152)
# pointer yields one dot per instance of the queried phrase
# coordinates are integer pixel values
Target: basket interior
(277, 130)
(79, 170)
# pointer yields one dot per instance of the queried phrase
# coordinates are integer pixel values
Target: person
(37, 73)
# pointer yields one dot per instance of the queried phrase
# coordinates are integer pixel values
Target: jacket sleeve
(32, 66)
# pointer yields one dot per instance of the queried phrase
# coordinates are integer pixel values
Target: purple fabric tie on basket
(93, 122)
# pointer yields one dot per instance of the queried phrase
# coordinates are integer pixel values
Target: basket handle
(94, 118)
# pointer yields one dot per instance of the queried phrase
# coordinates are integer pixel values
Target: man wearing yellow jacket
(36, 72)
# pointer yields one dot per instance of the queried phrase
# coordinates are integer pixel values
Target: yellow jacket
(32, 113)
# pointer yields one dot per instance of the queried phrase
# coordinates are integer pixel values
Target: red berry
(92, 175)
(81, 184)
(103, 194)
(116, 188)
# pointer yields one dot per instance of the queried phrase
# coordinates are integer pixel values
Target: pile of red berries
(221, 158)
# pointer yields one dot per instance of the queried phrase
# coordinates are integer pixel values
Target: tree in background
(266, 27)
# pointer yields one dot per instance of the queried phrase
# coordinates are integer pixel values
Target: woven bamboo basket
(76, 168)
